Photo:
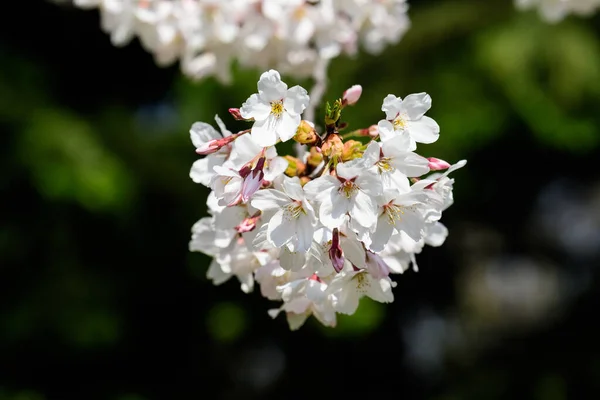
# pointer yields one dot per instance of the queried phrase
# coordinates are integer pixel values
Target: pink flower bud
(248, 224)
(212, 146)
(435, 164)
(351, 96)
(335, 252)
(235, 113)
(373, 131)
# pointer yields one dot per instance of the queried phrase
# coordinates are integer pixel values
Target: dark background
(100, 299)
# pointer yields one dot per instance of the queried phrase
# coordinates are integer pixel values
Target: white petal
(320, 187)
(200, 172)
(201, 133)
(396, 145)
(333, 211)
(264, 132)
(243, 150)
(281, 229)
(291, 261)
(247, 282)
(216, 274)
(425, 130)
(391, 106)
(304, 234)
(412, 224)
(295, 321)
(353, 251)
(386, 130)
(287, 126)
(348, 300)
(436, 234)
(381, 290)
(270, 86)
(275, 168)
(349, 170)
(293, 188)
(416, 105)
(371, 154)
(255, 108)
(382, 234)
(296, 100)
(411, 164)
(364, 210)
(369, 183)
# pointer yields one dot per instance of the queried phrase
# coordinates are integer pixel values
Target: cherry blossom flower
(275, 109)
(406, 117)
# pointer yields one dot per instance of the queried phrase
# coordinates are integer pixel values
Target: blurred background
(101, 300)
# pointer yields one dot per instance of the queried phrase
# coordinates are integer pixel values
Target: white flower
(275, 109)
(350, 286)
(407, 118)
(293, 223)
(398, 212)
(352, 192)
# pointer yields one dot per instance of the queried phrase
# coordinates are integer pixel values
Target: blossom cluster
(290, 35)
(556, 10)
(321, 230)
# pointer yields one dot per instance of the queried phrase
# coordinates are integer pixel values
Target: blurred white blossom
(290, 35)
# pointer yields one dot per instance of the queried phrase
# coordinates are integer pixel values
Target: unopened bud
(248, 224)
(373, 131)
(351, 95)
(253, 180)
(306, 134)
(295, 166)
(212, 146)
(352, 149)
(435, 164)
(333, 112)
(237, 115)
(315, 157)
(335, 252)
(333, 146)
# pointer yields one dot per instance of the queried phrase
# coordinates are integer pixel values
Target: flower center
(348, 189)
(400, 122)
(299, 13)
(294, 210)
(362, 282)
(394, 213)
(277, 108)
(384, 165)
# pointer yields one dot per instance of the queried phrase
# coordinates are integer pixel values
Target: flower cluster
(291, 35)
(321, 230)
(556, 10)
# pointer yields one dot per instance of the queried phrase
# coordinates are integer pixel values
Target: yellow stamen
(400, 122)
(348, 189)
(277, 108)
